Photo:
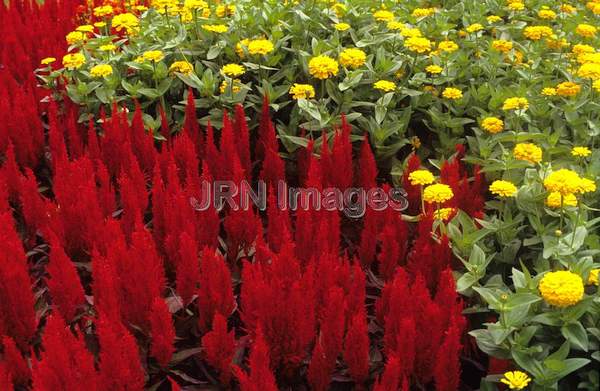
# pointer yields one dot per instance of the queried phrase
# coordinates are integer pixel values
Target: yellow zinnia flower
(437, 193)
(515, 103)
(182, 67)
(561, 288)
(581, 151)
(323, 67)
(452, 93)
(528, 152)
(492, 124)
(233, 70)
(554, 200)
(101, 70)
(503, 188)
(260, 46)
(421, 177)
(516, 380)
(302, 91)
(73, 61)
(352, 58)
(418, 44)
(384, 85)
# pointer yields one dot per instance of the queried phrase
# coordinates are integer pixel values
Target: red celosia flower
(356, 349)
(188, 268)
(191, 123)
(14, 362)
(164, 124)
(216, 293)
(64, 283)
(267, 139)
(390, 379)
(260, 377)
(219, 348)
(319, 369)
(142, 142)
(242, 137)
(11, 175)
(162, 332)
(6, 382)
(447, 367)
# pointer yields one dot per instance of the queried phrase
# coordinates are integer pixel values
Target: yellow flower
(408, 32)
(584, 58)
(86, 28)
(260, 46)
(423, 12)
(515, 103)
(127, 21)
(339, 9)
(443, 213)
(589, 70)
(452, 93)
(516, 380)
(503, 188)
(586, 30)
(352, 58)
(47, 60)
(195, 4)
(593, 278)
(183, 67)
(107, 48)
(421, 177)
(587, 186)
(393, 25)
(434, 69)
(562, 288)
(418, 44)
(581, 151)
(153, 55)
(215, 28)
(568, 9)
(535, 33)
(547, 14)
(437, 193)
(241, 46)
(568, 88)
(323, 67)
(302, 91)
(104, 10)
(492, 124)
(225, 10)
(554, 200)
(384, 85)
(233, 70)
(101, 70)
(73, 61)
(493, 19)
(99, 24)
(563, 181)
(75, 37)
(549, 91)
(341, 26)
(581, 48)
(224, 87)
(473, 28)
(448, 46)
(383, 16)
(516, 6)
(528, 152)
(502, 45)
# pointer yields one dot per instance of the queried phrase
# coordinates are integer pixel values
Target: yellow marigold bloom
(408, 32)
(434, 69)
(516, 380)
(563, 181)
(225, 10)
(104, 10)
(593, 277)
(586, 186)
(302, 91)
(443, 213)
(101, 70)
(581, 48)
(47, 60)
(567, 9)
(492, 124)
(568, 88)
(452, 93)
(215, 28)
(503, 188)
(195, 4)
(86, 28)
(473, 28)
(423, 12)
(127, 21)
(562, 288)
(528, 152)
(323, 67)
(554, 43)
(516, 6)
(393, 25)
(549, 91)
(233, 70)
(502, 45)
(493, 19)
(515, 103)
(75, 37)
(341, 26)
(339, 9)
(183, 67)
(107, 48)
(383, 16)
(421, 177)
(586, 30)
(418, 44)
(554, 200)
(73, 61)
(535, 33)
(437, 193)
(589, 70)
(260, 46)
(547, 14)
(585, 58)
(153, 55)
(224, 87)
(447, 46)
(352, 58)
(384, 85)
(581, 151)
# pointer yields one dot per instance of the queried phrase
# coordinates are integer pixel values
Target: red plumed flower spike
(14, 361)
(446, 372)
(188, 268)
(219, 347)
(216, 293)
(261, 377)
(191, 123)
(356, 349)
(242, 135)
(162, 332)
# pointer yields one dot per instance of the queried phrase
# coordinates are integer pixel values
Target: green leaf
(576, 335)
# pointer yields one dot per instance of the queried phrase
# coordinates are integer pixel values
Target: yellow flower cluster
(561, 288)
(452, 93)
(568, 89)
(448, 46)
(323, 67)
(418, 44)
(443, 213)
(423, 12)
(153, 55)
(352, 58)
(302, 91)
(581, 151)
(233, 70)
(102, 11)
(383, 16)
(260, 47)
(492, 124)
(127, 22)
(589, 70)
(384, 85)
(515, 103)
(421, 177)
(437, 193)
(565, 182)
(73, 61)
(535, 33)
(515, 380)
(556, 200)
(215, 28)
(586, 30)
(434, 69)
(341, 26)
(101, 70)
(182, 67)
(528, 152)
(503, 188)
(502, 45)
